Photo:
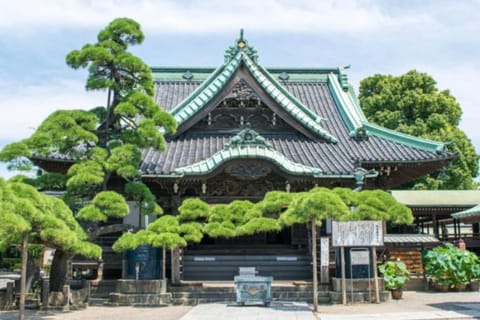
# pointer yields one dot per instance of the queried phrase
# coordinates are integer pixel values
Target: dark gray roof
(331, 158)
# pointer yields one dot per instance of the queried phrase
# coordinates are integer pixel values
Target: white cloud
(25, 105)
(214, 16)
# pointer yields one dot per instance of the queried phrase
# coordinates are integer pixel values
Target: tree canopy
(105, 141)
(46, 219)
(412, 104)
(29, 216)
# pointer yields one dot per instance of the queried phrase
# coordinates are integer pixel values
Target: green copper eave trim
(469, 213)
(354, 118)
(247, 152)
(405, 139)
(205, 92)
(286, 100)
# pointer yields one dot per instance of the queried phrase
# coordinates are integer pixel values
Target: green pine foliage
(143, 197)
(192, 209)
(317, 204)
(47, 220)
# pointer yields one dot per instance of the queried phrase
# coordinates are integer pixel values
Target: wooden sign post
(357, 234)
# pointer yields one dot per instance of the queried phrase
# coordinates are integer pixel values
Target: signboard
(360, 257)
(324, 252)
(357, 233)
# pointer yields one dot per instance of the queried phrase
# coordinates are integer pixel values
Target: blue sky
(439, 37)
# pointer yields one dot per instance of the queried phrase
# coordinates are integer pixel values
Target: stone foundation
(140, 292)
(358, 291)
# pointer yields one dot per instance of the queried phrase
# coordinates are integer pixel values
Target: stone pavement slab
(276, 311)
(414, 305)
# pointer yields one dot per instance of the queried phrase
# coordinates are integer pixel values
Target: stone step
(359, 297)
(102, 288)
(228, 295)
(231, 289)
(140, 299)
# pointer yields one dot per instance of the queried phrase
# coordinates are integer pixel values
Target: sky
(439, 37)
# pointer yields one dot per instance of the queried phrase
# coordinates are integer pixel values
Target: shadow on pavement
(464, 308)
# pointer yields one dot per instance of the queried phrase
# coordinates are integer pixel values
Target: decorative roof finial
(241, 45)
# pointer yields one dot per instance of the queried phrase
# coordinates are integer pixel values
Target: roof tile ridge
(309, 114)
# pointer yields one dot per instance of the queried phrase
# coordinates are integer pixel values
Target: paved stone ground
(104, 313)
(276, 311)
(414, 305)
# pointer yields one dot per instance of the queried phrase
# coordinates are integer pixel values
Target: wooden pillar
(23, 278)
(314, 258)
(435, 225)
(344, 282)
(476, 229)
(375, 275)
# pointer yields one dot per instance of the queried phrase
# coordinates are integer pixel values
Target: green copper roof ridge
(405, 139)
(208, 165)
(350, 114)
(180, 69)
(310, 114)
(199, 89)
(225, 70)
(355, 119)
(206, 69)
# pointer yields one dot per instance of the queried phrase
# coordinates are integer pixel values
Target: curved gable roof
(204, 93)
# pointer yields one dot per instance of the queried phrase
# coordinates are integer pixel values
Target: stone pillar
(45, 292)
(175, 258)
(9, 293)
(66, 298)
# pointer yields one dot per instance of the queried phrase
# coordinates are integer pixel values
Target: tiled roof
(472, 214)
(320, 100)
(331, 159)
(409, 238)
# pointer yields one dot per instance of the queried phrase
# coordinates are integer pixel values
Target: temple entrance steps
(221, 263)
(224, 292)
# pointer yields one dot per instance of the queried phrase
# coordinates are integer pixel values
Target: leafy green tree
(105, 141)
(29, 216)
(412, 104)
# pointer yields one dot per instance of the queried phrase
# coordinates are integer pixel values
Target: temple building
(245, 129)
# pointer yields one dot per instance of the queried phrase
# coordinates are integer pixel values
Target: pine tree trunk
(164, 263)
(314, 258)
(58, 272)
(23, 278)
